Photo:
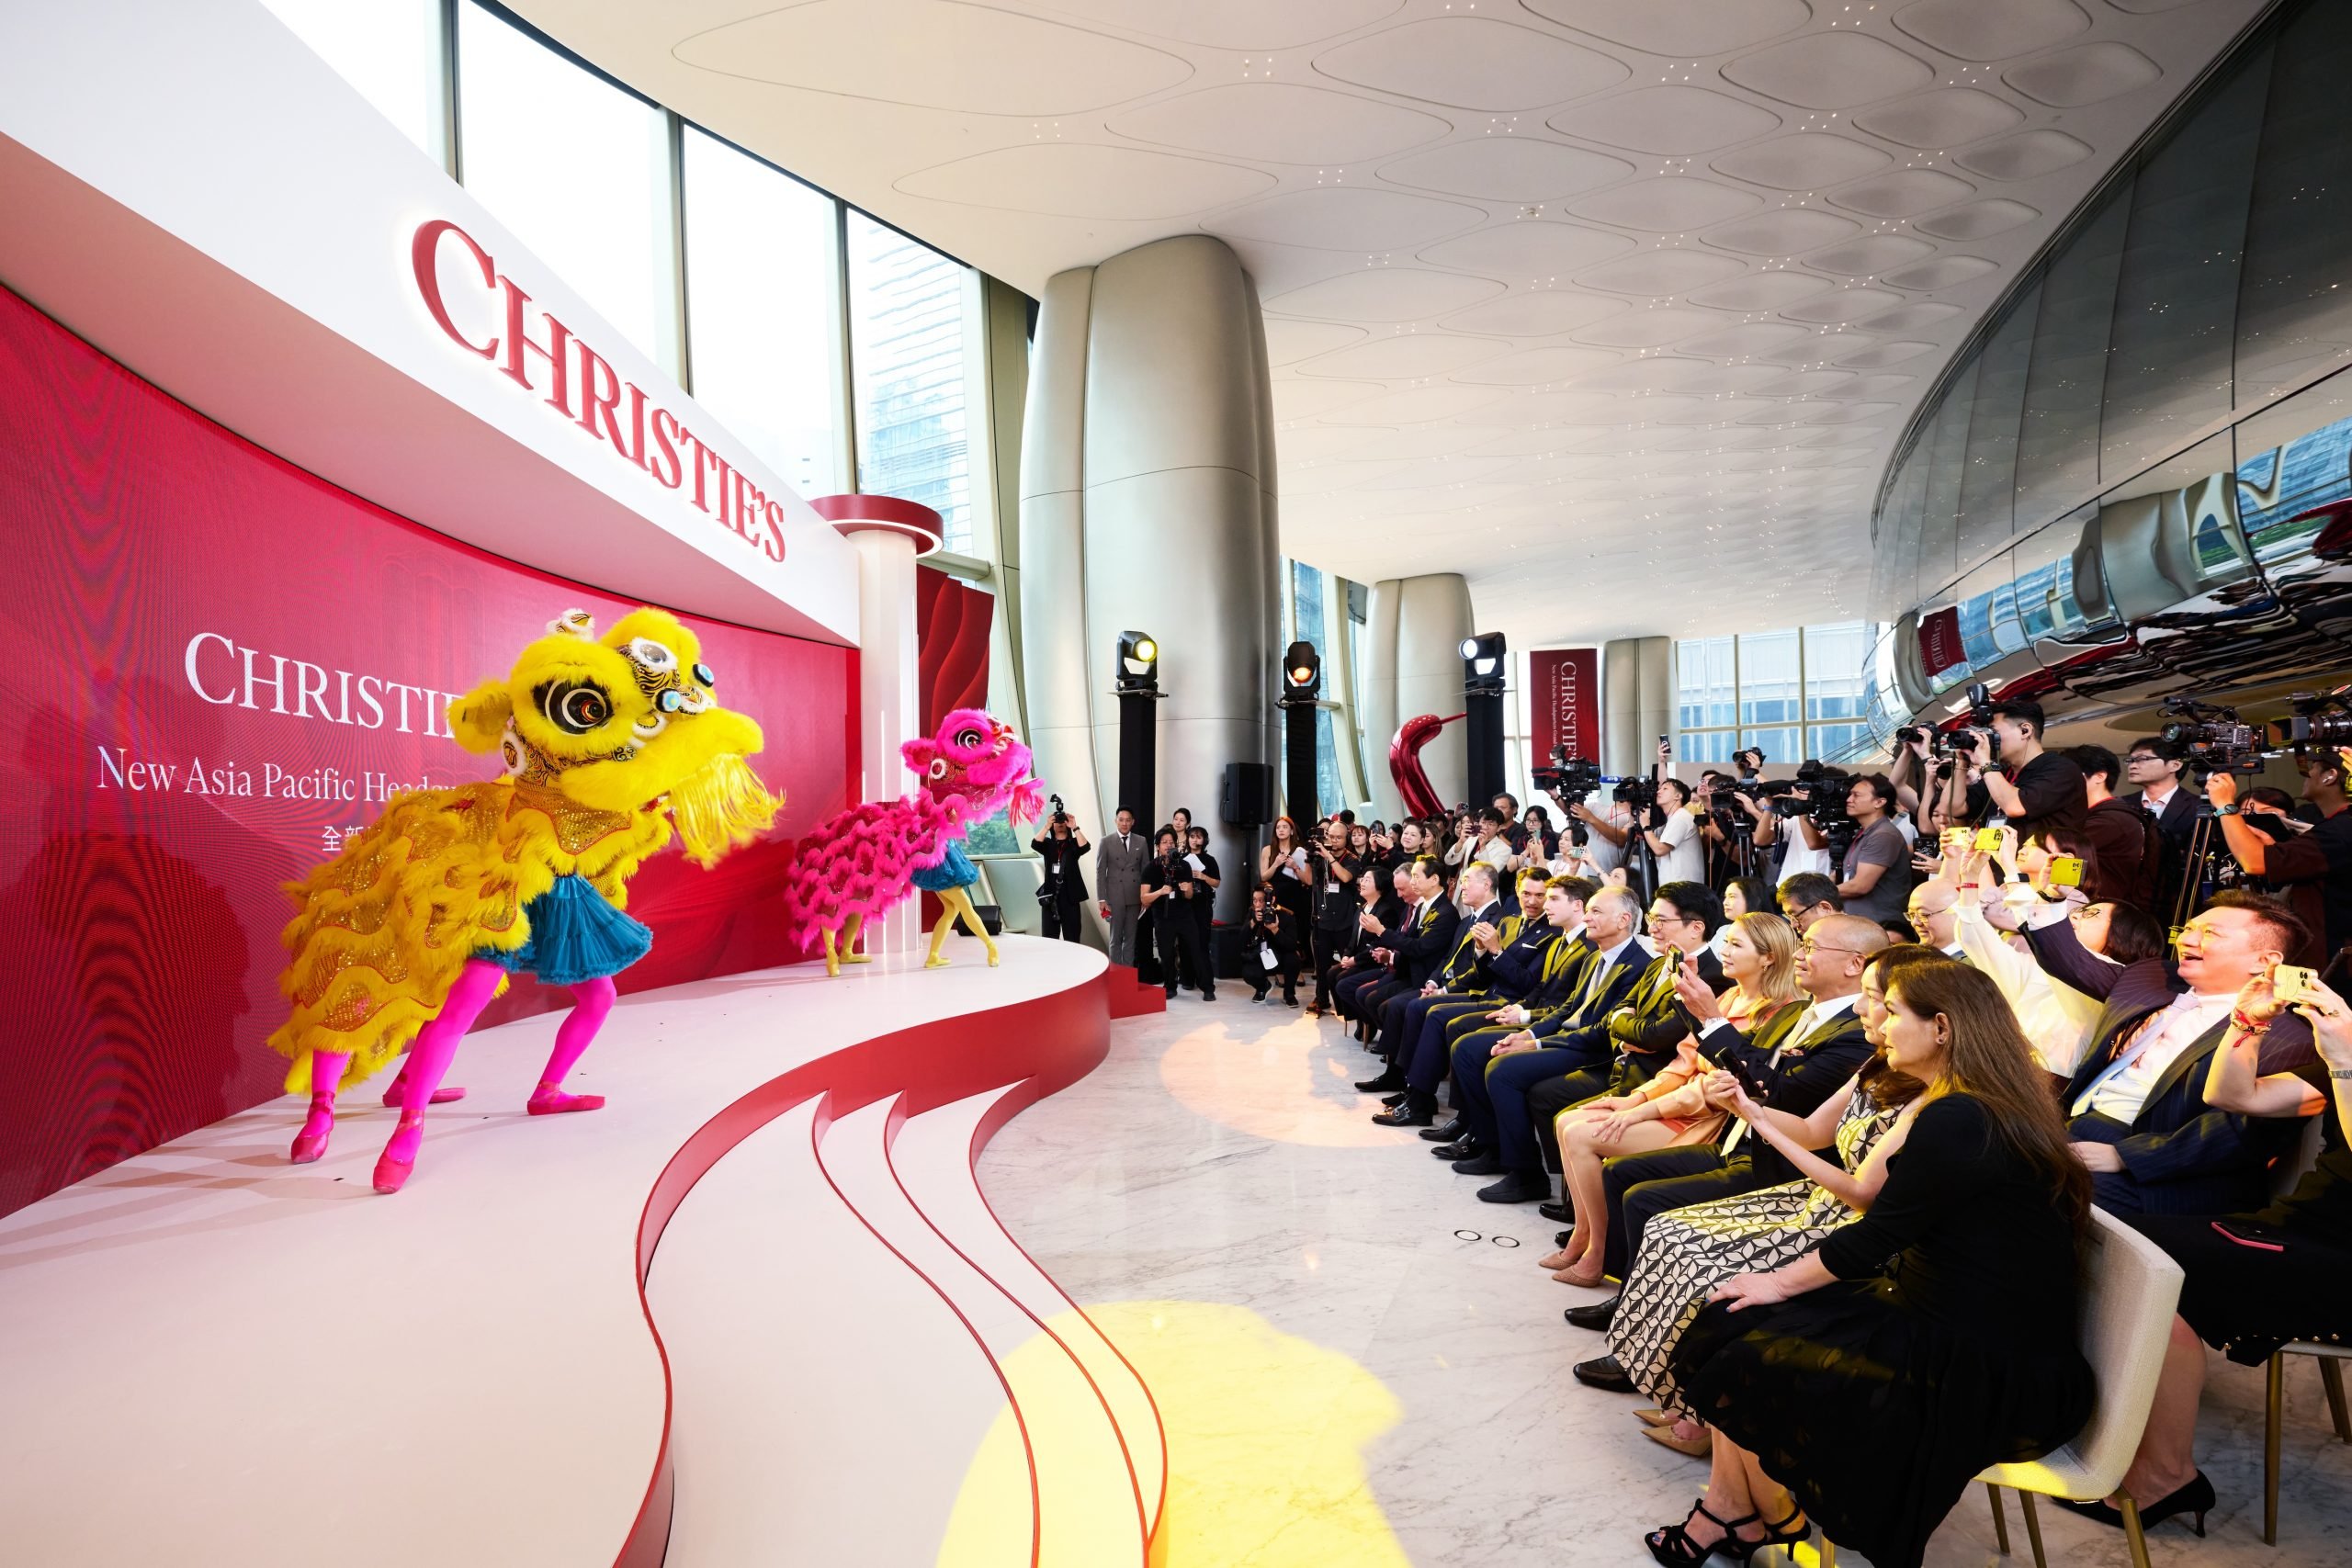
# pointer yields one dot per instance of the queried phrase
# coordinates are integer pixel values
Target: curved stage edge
(218, 1358)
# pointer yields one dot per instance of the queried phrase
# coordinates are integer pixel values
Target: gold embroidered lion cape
(610, 746)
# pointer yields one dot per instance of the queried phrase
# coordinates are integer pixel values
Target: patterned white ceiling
(1615, 306)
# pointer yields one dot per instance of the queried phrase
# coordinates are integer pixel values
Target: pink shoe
(398, 1162)
(311, 1141)
(397, 1095)
(548, 1100)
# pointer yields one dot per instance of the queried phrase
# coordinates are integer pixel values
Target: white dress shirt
(2121, 1091)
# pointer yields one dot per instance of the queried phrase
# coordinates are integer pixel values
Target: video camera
(1061, 813)
(1568, 778)
(2318, 719)
(2215, 738)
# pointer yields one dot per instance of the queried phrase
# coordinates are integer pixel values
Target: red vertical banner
(1564, 702)
(1940, 648)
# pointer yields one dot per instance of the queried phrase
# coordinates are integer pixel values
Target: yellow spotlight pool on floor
(1265, 1438)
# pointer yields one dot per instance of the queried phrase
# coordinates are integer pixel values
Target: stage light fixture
(1484, 655)
(1302, 673)
(1138, 662)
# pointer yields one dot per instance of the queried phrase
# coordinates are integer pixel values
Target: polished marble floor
(1358, 1362)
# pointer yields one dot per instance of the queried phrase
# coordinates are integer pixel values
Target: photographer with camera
(1674, 836)
(2031, 788)
(1335, 874)
(1804, 848)
(2308, 868)
(1063, 848)
(1170, 890)
(1272, 934)
(1876, 873)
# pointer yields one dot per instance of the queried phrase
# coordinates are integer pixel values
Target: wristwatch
(2229, 810)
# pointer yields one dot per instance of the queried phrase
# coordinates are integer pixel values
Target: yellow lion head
(625, 722)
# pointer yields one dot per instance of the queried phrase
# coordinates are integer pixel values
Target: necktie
(2152, 1029)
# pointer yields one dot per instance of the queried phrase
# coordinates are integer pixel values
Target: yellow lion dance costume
(611, 746)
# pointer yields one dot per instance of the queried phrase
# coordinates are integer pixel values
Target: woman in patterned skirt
(1686, 1253)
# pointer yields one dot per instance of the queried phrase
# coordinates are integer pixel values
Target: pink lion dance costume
(866, 859)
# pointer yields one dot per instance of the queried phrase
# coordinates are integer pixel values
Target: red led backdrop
(225, 662)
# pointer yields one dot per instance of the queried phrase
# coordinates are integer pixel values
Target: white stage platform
(210, 1357)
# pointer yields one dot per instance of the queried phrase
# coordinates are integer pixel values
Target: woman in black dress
(1862, 1386)
(1284, 865)
(2255, 1282)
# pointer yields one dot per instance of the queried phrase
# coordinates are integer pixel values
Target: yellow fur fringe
(721, 807)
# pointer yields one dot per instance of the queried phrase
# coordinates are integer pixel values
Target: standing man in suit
(1799, 1057)
(1493, 1099)
(2153, 766)
(1119, 861)
(2135, 1107)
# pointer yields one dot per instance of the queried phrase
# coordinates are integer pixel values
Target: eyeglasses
(1809, 946)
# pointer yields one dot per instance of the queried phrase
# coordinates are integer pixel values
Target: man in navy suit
(2136, 1109)
(1392, 1003)
(1571, 1038)
(1556, 984)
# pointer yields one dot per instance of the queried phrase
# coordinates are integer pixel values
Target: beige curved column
(1416, 628)
(1147, 480)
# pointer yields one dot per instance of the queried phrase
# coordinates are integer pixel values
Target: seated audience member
(1487, 936)
(1492, 845)
(2135, 1107)
(2255, 1282)
(2313, 869)
(1687, 1253)
(2153, 767)
(1806, 898)
(2125, 845)
(1390, 1011)
(1414, 949)
(2056, 1018)
(1760, 960)
(1742, 895)
(1542, 843)
(1862, 1386)
(1933, 917)
(2031, 788)
(1799, 1057)
(1877, 868)
(1622, 1049)
(1350, 947)
(1272, 934)
(1557, 982)
(1615, 961)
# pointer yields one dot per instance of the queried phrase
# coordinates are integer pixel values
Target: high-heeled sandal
(1572, 1275)
(2196, 1499)
(1652, 1415)
(1673, 1546)
(1780, 1534)
(1698, 1447)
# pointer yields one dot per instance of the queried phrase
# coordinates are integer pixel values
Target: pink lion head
(974, 758)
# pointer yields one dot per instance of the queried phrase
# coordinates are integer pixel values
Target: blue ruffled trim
(955, 871)
(576, 934)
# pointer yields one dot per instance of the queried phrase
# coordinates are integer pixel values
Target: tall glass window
(579, 169)
(906, 338)
(765, 306)
(390, 50)
(1309, 619)
(1782, 685)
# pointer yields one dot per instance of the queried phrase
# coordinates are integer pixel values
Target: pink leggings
(437, 1043)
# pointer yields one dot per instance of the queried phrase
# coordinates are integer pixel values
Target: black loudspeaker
(1248, 799)
(991, 918)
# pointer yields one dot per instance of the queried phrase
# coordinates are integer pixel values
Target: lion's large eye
(650, 655)
(938, 767)
(968, 739)
(575, 706)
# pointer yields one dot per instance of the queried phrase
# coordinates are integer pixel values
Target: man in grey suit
(1118, 884)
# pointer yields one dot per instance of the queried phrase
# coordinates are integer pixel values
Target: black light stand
(1482, 701)
(1139, 689)
(1302, 684)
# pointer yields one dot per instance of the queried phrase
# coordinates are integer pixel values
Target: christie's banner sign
(223, 667)
(1564, 702)
(540, 354)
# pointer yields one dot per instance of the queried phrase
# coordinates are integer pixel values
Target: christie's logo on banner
(583, 386)
(1563, 708)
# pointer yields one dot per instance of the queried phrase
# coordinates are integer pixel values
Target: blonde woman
(1759, 957)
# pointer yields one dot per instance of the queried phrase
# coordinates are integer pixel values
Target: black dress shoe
(1517, 1187)
(1598, 1316)
(1463, 1147)
(1603, 1372)
(1386, 1083)
(1397, 1098)
(1405, 1115)
(1479, 1164)
(1558, 1213)
(1444, 1132)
